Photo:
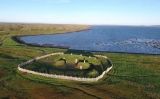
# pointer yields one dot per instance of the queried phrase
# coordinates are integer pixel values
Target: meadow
(134, 76)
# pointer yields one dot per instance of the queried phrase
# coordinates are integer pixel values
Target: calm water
(105, 38)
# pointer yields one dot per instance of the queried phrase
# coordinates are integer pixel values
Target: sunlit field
(134, 76)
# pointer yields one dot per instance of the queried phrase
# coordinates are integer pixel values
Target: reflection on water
(105, 38)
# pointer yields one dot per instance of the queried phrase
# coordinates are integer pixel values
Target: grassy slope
(133, 76)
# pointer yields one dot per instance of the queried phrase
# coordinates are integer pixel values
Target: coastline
(17, 39)
(58, 33)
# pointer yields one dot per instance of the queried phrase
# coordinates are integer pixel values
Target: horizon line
(75, 24)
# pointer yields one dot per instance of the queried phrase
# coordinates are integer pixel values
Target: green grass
(71, 65)
(84, 65)
(93, 73)
(132, 77)
(59, 64)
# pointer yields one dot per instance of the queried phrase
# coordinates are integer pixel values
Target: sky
(96, 12)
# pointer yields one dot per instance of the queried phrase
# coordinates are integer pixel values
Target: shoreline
(17, 39)
(58, 33)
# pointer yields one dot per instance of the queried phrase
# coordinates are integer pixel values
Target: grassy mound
(71, 65)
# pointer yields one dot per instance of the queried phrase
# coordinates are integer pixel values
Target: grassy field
(132, 77)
